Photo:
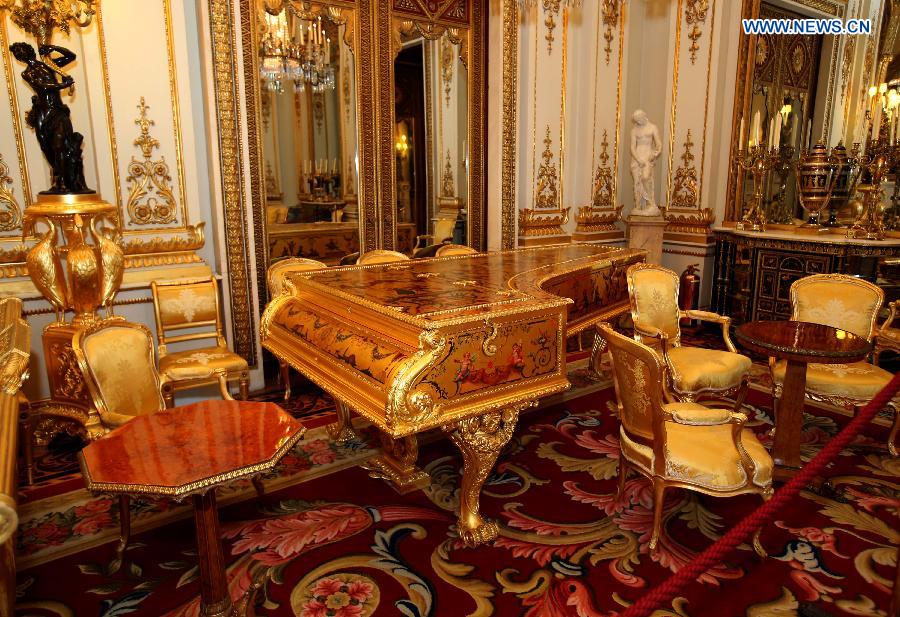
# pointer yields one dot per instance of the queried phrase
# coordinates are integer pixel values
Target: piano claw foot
(480, 439)
(486, 532)
(397, 464)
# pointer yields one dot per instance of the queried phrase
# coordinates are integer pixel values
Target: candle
(876, 123)
(741, 135)
(808, 132)
(771, 133)
(754, 129)
(776, 137)
(795, 133)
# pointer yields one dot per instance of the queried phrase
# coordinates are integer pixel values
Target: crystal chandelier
(299, 63)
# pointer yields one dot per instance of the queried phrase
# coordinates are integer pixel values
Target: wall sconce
(40, 17)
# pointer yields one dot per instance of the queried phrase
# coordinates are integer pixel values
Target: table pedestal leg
(341, 430)
(215, 600)
(397, 464)
(789, 421)
(480, 440)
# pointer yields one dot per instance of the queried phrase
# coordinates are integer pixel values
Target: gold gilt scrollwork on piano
(10, 211)
(684, 186)
(407, 408)
(150, 198)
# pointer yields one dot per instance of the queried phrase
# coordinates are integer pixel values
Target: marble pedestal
(646, 232)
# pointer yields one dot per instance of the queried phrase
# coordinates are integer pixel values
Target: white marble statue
(645, 149)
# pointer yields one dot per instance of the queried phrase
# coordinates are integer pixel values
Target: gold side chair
(275, 278)
(116, 358)
(380, 257)
(193, 305)
(448, 250)
(683, 445)
(851, 304)
(888, 337)
(443, 233)
(694, 372)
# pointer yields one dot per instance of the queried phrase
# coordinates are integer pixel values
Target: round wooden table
(799, 343)
(187, 452)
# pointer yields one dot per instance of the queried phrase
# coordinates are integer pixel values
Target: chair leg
(741, 395)
(659, 493)
(258, 485)
(168, 393)
(286, 379)
(623, 474)
(892, 438)
(124, 526)
(244, 387)
(757, 545)
(29, 449)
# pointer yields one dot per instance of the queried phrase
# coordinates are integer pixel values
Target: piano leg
(342, 431)
(480, 439)
(397, 464)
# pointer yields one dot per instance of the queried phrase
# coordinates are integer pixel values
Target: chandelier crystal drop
(295, 54)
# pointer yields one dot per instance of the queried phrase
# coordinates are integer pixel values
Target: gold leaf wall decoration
(150, 197)
(10, 211)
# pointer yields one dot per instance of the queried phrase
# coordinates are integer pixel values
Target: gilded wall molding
(694, 16)
(150, 197)
(448, 184)
(551, 11)
(223, 53)
(610, 15)
(684, 186)
(10, 211)
(447, 61)
(509, 123)
(546, 190)
(604, 186)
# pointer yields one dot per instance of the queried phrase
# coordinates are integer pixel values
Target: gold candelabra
(880, 157)
(40, 18)
(759, 161)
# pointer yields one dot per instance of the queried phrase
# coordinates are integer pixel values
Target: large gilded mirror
(308, 123)
(431, 172)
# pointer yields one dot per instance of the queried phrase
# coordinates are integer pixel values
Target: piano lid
(449, 287)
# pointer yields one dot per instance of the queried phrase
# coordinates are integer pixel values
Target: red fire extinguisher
(689, 293)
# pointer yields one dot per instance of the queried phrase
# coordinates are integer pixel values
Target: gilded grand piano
(463, 343)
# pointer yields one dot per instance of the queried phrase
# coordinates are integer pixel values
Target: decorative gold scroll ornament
(447, 57)
(150, 198)
(547, 192)
(604, 183)
(551, 10)
(547, 217)
(10, 212)
(610, 13)
(694, 15)
(40, 17)
(448, 186)
(684, 186)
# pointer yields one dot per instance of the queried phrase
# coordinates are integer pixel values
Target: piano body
(463, 343)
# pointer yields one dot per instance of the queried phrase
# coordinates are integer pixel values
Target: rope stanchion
(740, 533)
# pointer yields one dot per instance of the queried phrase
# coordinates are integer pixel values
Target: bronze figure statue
(50, 117)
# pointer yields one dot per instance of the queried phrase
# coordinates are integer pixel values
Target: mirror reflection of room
(430, 141)
(309, 129)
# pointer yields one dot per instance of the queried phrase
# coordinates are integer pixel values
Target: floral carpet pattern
(346, 545)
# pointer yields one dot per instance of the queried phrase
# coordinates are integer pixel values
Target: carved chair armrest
(645, 329)
(894, 309)
(713, 318)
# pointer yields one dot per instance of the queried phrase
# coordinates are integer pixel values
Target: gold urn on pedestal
(817, 173)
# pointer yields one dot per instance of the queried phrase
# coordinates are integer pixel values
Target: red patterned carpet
(345, 545)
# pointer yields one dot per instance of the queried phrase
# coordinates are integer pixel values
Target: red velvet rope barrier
(740, 533)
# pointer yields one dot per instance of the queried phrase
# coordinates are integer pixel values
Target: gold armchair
(193, 305)
(275, 278)
(693, 372)
(683, 445)
(442, 233)
(116, 358)
(888, 337)
(850, 304)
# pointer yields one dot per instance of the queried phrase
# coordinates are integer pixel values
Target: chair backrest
(653, 294)
(278, 270)
(443, 230)
(116, 358)
(638, 377)
(837, 300)
(380, 257)
(187, 304)
(448, 250)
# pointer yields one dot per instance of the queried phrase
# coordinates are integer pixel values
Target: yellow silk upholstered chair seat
(850, 304)
(680, 444)
(192, 306)
(693, 372)
(116, 358)
(275, 278)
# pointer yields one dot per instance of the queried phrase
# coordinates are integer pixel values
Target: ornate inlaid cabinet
(754, 271)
